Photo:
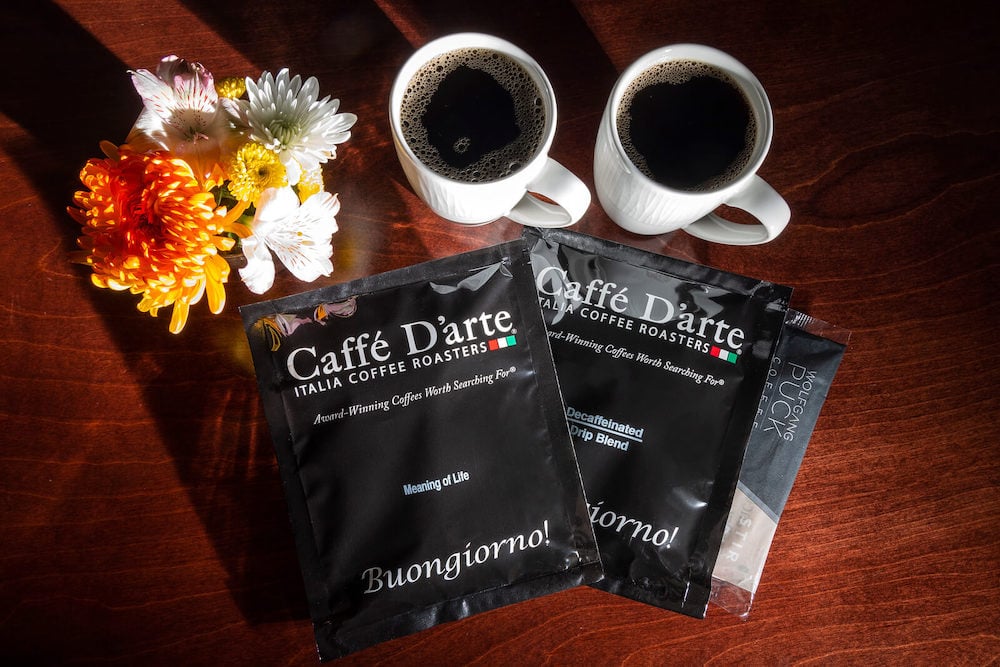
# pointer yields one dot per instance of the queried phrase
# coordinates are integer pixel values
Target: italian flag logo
(500, 343)
(725, 355)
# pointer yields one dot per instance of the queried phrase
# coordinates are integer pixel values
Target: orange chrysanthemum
(150, 228)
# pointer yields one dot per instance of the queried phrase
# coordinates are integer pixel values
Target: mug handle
(559, 185)
(759, 200)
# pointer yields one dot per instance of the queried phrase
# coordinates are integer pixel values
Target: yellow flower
(309, 184)
(232, 87)
(150, 228)
(254, 169)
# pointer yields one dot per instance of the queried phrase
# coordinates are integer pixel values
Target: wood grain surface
(142, 520)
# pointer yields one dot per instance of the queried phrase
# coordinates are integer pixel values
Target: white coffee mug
(640, 204)
(513, 195)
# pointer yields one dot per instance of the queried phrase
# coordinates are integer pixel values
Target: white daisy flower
(299, 234)
(288, 117)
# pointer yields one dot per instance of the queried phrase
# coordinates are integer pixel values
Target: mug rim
(748, 82)
(461, 40)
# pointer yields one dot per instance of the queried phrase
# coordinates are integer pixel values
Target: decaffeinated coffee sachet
(423, 446)
(661, 364)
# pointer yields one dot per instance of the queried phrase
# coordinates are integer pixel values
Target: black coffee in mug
(473, 115)
(687, 125)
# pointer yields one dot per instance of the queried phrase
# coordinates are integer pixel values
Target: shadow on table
(199, 386)
(68, 92)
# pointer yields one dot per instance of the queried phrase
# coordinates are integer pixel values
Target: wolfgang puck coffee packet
(423, 447)
(802, 369)
(661, 363)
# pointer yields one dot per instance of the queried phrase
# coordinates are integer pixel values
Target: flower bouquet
(211, 167)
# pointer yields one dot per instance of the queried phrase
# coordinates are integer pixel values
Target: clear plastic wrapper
(802, 369)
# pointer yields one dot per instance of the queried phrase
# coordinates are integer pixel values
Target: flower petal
(179, 316)
(156, 94)
(275, 204)
(258, 274)
(216, 272)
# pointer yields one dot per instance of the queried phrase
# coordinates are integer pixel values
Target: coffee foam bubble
(678, 72)
(528, 106)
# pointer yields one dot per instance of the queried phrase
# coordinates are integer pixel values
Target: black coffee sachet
(423, 447)
(802, 368)
(661, 364)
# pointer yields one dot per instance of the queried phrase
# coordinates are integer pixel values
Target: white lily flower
(288, 117)
(299, 234)
(183, 114)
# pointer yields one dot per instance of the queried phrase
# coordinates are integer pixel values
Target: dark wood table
(141, 515)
